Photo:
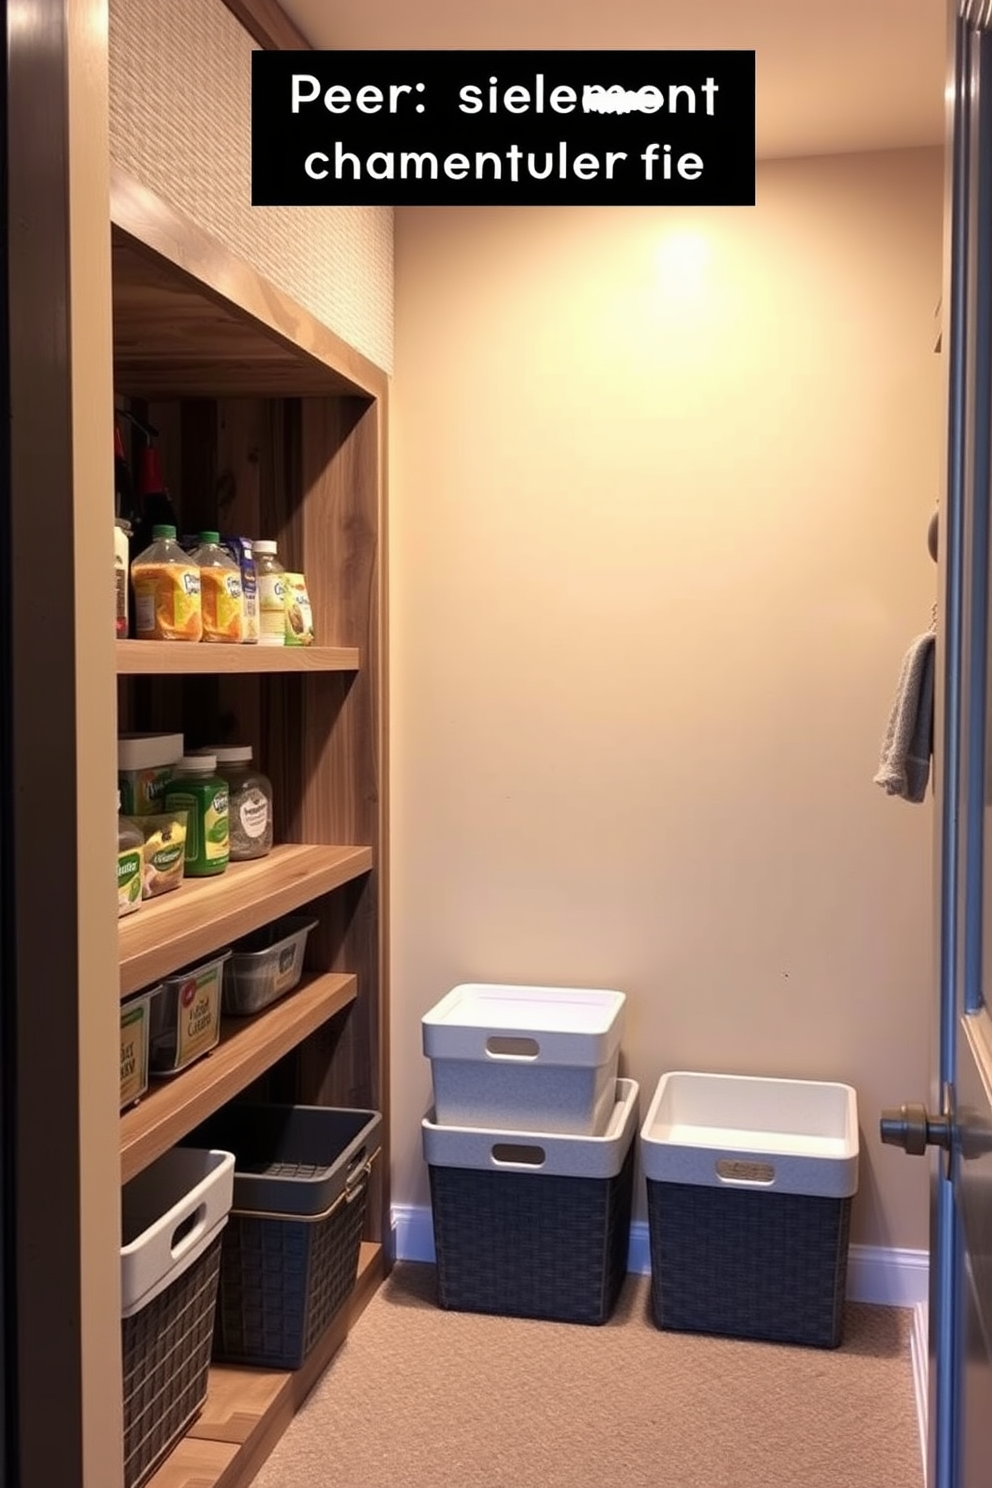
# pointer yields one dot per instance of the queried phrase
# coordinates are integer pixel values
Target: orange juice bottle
(166, 591)
(220, 590)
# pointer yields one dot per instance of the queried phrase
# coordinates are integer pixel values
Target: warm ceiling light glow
(682, 258)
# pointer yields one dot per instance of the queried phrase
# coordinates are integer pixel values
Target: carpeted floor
(429, 1399)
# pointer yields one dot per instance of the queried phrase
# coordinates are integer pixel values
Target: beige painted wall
(660, 486)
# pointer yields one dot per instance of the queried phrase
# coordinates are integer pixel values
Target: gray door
(958, 1125)
(962, 1355)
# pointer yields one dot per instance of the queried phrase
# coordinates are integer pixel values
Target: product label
(216, 827)
(199, 1015)
(299, 613)
(167, 602)
(128, 881)
(223, 610)
(181, 801)
(133, 1074)
(121, 625)
(144, 612)
(271, 609)
(165, 844)
(141, 790)
(253, 814)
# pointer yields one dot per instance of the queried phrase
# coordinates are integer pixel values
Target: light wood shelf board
(248, 1047)
(205, 914)
(160, 659)
(192, 319)
(195, 1464)
(254, 1406)
(240, 1398)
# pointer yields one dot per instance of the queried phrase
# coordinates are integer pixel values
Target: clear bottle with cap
(249, 803)
(196, 788)
(271, 580)
(166, 591)
(221, 598)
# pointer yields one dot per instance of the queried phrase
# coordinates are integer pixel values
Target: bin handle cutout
(517, 1155)
(745, 1174)
(356, 1166)
(188, 1231)
(504, 1046)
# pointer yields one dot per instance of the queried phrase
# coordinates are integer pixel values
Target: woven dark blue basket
(531, 1245)
(748, 1264)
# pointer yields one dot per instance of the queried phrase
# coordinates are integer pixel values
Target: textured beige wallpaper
(180, 78)
(649, 596)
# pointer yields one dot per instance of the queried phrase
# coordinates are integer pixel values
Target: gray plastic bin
(291, 1247)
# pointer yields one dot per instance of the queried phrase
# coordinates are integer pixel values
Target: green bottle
(196, 788)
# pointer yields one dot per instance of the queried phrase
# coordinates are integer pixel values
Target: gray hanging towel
(904, 767)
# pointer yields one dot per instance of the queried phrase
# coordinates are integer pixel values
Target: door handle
(914, 1130)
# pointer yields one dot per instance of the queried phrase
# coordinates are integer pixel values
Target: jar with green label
(130, 848)
(197, 789)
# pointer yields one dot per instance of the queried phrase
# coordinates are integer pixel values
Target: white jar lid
(148, 751)
(264, 545)
(197, 764)
(234, 755)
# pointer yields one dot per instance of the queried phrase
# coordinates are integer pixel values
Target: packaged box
(163, 853)
(299, 612)
(134, 1048)
(240, 550)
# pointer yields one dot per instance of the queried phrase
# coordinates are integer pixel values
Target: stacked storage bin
(291, 1248)
(530, 1148)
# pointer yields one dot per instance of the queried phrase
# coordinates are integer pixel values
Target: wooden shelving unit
(203, 914)
(248, 1047)
(269, 425)
(154, 659)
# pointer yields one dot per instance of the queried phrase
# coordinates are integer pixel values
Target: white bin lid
(574, 1024)
(734, 1131)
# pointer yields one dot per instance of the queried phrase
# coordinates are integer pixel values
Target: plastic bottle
(130, 845)
(197, 789)
(249, 804)
(270, 577)
(221, 599)
(166, 591)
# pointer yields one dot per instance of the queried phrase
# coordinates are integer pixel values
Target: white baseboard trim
(886, 1275)
(894, 1278)
(919, 1352)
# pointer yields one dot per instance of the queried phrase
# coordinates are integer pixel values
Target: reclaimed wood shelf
(204, 914)
(175, 659)
(247, 1410)
(248, 1047)
(192, 319)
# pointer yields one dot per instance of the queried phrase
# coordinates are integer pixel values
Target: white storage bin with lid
(172, 1218)
(749, 1185)
(525, 1058)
